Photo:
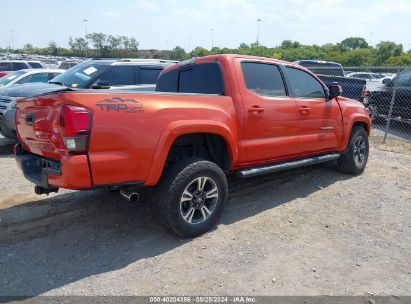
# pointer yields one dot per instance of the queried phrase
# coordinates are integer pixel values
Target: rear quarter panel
(132, 133)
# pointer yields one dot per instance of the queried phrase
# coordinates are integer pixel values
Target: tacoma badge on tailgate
(118, 104)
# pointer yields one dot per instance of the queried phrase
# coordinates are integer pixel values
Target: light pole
(371, 38)
(85, 25)
(258, 30)
(189, 44)
(212, 38)
(12, 39)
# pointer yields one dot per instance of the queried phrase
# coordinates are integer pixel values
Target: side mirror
(388, 82)
(101, 84)
(334, 90)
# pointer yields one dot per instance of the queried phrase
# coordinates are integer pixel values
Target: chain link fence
(385, 91)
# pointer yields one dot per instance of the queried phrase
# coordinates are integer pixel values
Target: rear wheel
(355, 157)
(191, 197)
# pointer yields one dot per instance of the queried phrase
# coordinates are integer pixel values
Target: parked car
(112, 73)
(65, 65)
(139, 74)
(379, 99)
(210, 116)
(332, 72)
(27, 76)
(8, 66)
(364, 75)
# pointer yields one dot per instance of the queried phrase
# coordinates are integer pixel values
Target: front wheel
(192, 195)
(355, 157)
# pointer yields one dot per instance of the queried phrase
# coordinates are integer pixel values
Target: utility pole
(212, 38)
(189, 44)
(258, 30)
(85, 25)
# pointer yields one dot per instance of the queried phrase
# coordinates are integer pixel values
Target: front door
(271, 116)
(320, 125)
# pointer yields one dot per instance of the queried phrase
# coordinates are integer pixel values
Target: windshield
(79, 75)
(10, 77)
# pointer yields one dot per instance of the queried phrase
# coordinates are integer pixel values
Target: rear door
(271, 117)
(319, 120)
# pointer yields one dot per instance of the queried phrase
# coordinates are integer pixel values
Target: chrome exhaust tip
(130, 195)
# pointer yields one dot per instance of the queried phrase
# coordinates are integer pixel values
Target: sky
(163, 24)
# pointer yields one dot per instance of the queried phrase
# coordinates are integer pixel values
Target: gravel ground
(309, 231)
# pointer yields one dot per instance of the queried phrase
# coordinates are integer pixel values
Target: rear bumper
(72, 172)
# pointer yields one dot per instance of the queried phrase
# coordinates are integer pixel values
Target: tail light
(76, 123)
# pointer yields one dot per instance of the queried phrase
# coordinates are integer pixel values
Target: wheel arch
(177, 130)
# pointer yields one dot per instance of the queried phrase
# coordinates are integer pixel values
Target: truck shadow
(94, 232)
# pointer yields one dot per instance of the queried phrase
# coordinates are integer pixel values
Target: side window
(168, 82)
(263, 79)
(19, 66)
(35, 65)
(304, 85)
(40, 77)
(26, 79)
(52, 75)
(404, 79)
(149, 75)
(6, 66)
(204, 78)
(119, 75)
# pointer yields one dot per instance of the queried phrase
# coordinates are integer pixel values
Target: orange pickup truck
(209, 117)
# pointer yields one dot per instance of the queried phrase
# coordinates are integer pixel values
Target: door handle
(304, 110)
(256, 109)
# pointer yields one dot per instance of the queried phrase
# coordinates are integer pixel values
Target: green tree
(179, 53)
(28, 48)
(288, 44)
(353, 43)
(387, 49)
(53, 48)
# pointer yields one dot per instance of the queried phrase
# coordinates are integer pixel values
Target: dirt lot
(305, 232)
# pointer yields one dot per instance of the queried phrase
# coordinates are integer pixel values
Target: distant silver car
(29, 75)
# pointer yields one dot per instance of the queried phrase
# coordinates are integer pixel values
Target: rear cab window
(201, 78)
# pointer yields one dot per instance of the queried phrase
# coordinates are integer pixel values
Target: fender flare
(177, 128)
(354, 118)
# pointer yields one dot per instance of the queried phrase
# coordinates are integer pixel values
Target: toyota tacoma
(209, 117)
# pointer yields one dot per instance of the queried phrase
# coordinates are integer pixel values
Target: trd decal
(118, 99)
(118, 104)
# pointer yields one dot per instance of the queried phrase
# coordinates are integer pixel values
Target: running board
(288, 165)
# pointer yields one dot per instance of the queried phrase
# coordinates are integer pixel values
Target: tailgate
(38, 125)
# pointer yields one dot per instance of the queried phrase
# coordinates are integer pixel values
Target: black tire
(188, 175)
(7, 133)
(354, 159)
